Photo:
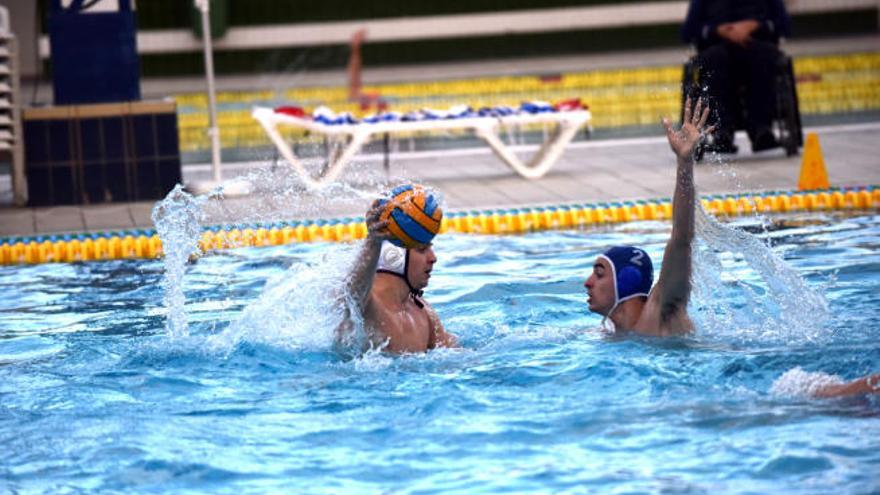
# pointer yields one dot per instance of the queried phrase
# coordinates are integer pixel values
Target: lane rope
(145, 243)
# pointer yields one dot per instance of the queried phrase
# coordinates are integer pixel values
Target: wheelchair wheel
(699, 151)
(690, 87)
(788, 114)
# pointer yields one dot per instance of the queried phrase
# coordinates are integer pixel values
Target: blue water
(96, 397)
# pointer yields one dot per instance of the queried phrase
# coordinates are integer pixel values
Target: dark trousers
(726, 67)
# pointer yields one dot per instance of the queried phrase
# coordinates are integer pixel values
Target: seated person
(736, 41)
(386, 283)
(620, 285)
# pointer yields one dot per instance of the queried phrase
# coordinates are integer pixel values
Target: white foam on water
(799, 383)
(180, 217)
(373, 360)
(778, 305)
(300, 309)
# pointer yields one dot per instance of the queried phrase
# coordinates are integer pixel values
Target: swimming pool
(95, 396)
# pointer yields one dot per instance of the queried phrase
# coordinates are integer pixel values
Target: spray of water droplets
(303, 307)
(799, 383)
(178, 222)
(778, 307)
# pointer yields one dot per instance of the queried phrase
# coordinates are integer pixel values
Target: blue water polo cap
(632, 270)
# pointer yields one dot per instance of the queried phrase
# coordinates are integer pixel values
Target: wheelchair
(786, 120)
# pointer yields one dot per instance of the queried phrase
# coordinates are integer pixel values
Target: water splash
(178, 220)
(799, 383)
(783, 308)
(305, 305)
(301, 309)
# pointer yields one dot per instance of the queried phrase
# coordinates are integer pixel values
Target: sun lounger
(567, 117)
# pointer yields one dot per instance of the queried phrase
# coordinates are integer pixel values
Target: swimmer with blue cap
(387, 283)
(620, 287)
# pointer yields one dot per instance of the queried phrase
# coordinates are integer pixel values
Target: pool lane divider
(145, 244)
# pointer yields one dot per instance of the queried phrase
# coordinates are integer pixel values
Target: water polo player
(393, 268)
(620, 286)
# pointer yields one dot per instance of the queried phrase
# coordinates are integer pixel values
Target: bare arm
(354, 65)
(865, 385)
(674, 283)
(360, 280)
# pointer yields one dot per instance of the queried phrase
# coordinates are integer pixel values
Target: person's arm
(771, 27)
(354, 65)
(696, 30)
(674, 283)
(865, 385)
(360, 280)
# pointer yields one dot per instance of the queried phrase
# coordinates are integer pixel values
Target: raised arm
(674, 283)
(360, 281)
(354, 65)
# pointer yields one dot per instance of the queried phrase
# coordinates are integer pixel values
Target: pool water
(96, 396)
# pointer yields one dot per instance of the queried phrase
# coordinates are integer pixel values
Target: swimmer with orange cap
(391, 271)
(620, 287)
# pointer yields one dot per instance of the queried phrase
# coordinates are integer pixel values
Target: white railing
(10, 109)
(449, 26)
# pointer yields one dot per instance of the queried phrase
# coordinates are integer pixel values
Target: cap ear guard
(629, 279)
(633, 271)
(392, 259)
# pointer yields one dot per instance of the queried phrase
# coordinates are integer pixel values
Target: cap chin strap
(412, 290)
(617, 305)
(607, 316)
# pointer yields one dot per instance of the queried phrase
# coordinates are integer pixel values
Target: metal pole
(213, 130)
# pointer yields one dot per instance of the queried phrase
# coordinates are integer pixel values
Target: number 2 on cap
(637, 259)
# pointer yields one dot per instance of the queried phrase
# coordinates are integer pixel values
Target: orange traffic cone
(813, 173)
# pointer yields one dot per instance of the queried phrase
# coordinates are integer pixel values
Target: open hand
(683, 141)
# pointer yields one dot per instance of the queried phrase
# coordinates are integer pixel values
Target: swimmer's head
(412, 265)
(619, 274)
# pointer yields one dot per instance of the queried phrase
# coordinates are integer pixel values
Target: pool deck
(473, 178)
